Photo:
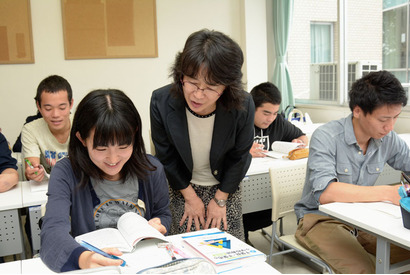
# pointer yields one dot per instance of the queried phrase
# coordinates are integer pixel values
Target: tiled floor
(286, 264)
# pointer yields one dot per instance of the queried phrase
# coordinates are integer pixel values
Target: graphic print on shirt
(109, 211)
(51, 158)
(262, 139)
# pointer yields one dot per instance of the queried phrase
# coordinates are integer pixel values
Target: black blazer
(231, 140)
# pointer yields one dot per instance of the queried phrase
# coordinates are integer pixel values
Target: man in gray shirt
(346, 157)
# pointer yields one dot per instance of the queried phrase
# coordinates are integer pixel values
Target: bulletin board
(109, 28)
(16, 40)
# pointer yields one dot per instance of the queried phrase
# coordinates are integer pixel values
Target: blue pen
(99, 251)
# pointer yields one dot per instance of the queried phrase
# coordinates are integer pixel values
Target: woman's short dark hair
(219, 57)
(375, 90)
(266, 92)
(115, 120)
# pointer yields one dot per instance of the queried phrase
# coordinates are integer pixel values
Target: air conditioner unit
(323, 81)
(361, 68)
(365, 67)
(324, 77)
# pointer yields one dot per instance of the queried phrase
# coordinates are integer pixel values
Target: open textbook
(223, 250)
(131, 228)
(281, 149)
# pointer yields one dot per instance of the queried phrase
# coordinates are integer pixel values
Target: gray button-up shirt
(334, 155)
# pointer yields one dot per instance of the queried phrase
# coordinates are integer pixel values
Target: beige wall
(138, 77)
(243, 20)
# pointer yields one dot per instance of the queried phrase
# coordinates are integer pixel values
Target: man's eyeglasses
(191, 87)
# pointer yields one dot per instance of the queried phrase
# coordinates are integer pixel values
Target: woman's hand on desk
(194, 209)
(215, 216)
(90, 259)
(257, 150)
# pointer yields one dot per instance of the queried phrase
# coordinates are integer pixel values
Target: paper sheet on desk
(275, 155)
(147, 254)
(260, 165)
(385, 207)
(36, 186)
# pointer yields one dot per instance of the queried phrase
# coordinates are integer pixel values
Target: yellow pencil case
(298, 153)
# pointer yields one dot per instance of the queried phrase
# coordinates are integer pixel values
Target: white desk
(11, 199)
(11, 234)
(35, 265)
(11, 267)
(308, 129)
(36, 197)
(405, 137)
(381, 219)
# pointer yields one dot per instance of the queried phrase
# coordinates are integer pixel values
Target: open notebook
(281, 149)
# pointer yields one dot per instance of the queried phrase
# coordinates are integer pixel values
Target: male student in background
(268, 127)
(8, 169)
(346, 157)
(45, 140)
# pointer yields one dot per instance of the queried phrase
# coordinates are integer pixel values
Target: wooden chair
(287, 185)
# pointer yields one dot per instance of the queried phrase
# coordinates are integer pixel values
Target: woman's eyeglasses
(191, 87)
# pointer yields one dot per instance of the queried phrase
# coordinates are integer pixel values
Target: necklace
(200, 116)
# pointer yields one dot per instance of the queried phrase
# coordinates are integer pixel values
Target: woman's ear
(77, 134)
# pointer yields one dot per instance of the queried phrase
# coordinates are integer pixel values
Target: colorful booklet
(131, 228)
(221, 248)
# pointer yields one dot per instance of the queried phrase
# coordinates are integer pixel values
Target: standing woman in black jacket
(202, 129)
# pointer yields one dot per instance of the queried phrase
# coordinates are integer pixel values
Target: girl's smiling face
(110, 159)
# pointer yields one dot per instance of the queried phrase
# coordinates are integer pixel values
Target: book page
(275, 155)
(134, 228)
(105, 237)
(284, 147)
(147, 254)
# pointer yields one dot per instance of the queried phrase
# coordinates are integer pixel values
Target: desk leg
(35, 215)
(23, 249)
(382, 256)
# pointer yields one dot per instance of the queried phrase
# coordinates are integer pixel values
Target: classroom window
(395, 28)
(321, 42)
(346, 39)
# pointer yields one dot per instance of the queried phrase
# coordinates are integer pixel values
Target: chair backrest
(19, 164)
(287, 186)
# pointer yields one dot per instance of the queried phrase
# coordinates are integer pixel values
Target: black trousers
(256, 220)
